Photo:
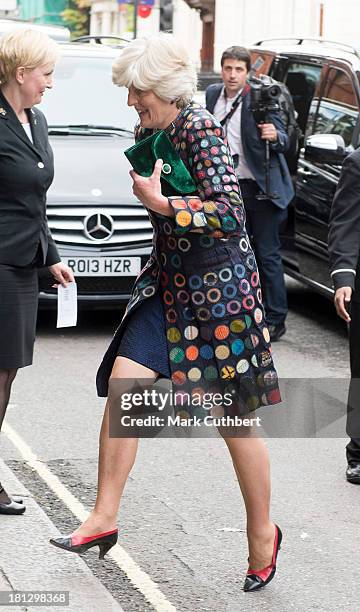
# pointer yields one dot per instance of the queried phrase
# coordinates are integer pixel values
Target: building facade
(42, 11)
(111, 17)
(207, 27)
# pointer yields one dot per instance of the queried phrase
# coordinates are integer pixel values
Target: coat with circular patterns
(203, 266)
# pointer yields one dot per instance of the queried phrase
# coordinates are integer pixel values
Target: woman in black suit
(27, 61)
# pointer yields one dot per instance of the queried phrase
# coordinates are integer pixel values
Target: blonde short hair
(160, 64)
(27, 48)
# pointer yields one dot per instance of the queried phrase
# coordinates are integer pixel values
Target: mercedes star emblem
(98, 227)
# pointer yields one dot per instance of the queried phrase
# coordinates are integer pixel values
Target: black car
(102, 231)
(323, 78)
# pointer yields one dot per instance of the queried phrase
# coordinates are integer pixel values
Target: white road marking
(136, 575)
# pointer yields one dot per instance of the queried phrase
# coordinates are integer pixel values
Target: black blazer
(344, 229)
(26, 173)
(254, 150)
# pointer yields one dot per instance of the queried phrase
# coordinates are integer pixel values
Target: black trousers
(353, 408)
(263, 221)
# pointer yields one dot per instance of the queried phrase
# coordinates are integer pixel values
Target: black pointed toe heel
(15, 506)
(257, 579)
(79, 545)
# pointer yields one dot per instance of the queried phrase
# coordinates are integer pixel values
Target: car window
(301, 80)
(83, 93)
(338, 109)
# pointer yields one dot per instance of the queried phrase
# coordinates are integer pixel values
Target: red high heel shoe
(79, 545)
(257, 579)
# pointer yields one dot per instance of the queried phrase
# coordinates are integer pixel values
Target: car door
(334, 110)
(302, 77)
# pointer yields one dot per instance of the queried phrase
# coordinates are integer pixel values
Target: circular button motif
(194, 374)
(167, 228)
(225, 275)
(171, 315)
(237, 347)
(195, 282)
(237, 326)
(221, 332)
(183, 218)
(175, 261)
(249, 302)
(192, 353)
(218, 310)
(191, 332)
(254, 279)
(258, 315)
(183, 296)
(239, 270)
(229, 291)
(244, 245)
(244, 286)
(166, 169)
(178, 377)
(177, 354)
(184, 244)
(198, 298)
(210, 373)
(168, 298)
(206, 351)
(179, 280)
(148, 291)
(41, 165)
(242, 366)
(203, 314)
(173, 334)
(210, 279)
(213, 295)
(233, 307)
(227, 372)
(266, 334)
(222, 351)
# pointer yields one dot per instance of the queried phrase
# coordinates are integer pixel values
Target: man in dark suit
(344, 251)
(230, 103)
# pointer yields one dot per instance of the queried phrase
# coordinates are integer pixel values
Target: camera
(264, 95)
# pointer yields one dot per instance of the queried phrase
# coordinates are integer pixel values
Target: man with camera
(257, 140)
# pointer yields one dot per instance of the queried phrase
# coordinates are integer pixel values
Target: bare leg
(6, 380)
(116, 458)
(251, 463)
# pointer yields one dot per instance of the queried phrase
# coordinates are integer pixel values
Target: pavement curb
(29, 563)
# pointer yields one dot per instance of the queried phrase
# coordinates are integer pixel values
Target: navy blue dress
(144, 338)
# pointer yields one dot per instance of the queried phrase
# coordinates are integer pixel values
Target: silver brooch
(3, 111)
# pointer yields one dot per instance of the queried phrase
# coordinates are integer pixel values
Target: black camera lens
(274, 91)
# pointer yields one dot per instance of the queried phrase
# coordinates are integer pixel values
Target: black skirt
(18, 311)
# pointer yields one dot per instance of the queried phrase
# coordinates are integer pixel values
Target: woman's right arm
(218, 207)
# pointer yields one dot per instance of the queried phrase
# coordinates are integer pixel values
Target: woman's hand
(62, 274)
(148, 191)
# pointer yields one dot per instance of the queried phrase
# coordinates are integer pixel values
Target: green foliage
(77, 17)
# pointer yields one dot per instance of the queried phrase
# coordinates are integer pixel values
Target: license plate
(104, 266)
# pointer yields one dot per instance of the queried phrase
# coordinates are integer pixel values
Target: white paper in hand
(67, 305)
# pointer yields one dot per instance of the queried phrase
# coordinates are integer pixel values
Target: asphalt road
(182, 518)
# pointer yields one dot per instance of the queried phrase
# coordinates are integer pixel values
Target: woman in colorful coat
(195, 315)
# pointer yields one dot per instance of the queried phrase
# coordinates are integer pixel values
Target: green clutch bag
(175, 177)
